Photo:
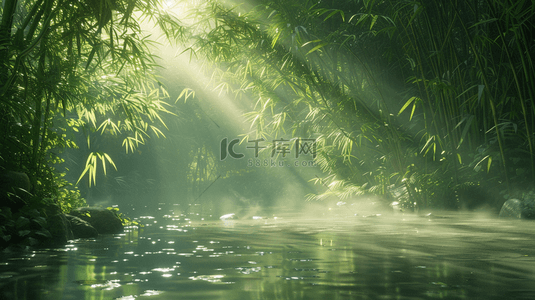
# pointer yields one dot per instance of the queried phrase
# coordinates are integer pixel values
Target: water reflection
(191, 256)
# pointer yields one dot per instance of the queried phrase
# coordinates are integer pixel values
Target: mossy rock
(14, 190)
(103, 220)
(511, 209)
(58, 226)
(517, 209)
(81, 228)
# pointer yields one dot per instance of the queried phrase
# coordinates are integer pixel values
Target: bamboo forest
(267, 149)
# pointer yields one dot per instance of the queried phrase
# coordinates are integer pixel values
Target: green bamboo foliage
(473, 104)
(410, 98)
(82, 65)
(306, 82)
(401, 94)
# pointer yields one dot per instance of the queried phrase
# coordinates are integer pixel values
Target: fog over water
(329, 254)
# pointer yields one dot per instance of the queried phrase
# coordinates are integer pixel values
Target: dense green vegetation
(431, 102)
(427, 102)
(70, 67)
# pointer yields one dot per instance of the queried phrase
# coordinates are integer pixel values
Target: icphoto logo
(280, 148)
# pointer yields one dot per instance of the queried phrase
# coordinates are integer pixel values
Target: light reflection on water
(188, 257)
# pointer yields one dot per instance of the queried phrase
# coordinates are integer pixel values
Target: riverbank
(46, 226)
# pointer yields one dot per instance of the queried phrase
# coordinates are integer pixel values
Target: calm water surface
(183, 256)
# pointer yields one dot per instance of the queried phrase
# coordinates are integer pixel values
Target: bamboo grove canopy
(425, 98)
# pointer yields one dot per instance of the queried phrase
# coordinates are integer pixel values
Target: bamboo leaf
(276, 38)
(157, 131)
(317, 47)
(274, 12)
(429, 141)
(468, 120)
(374, 20)
(186, 93)
(484, 22)
(309, 42)
(108, 158)
(477, 167)
(103, 160)
(86, 169)
(90, 57)
(480, 89)
(411, 100)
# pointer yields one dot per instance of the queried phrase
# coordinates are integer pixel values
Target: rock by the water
(58, 226)
(81, 228)
(517, 209)
(14, 189)
(103, 220)
(512, 208)
(60, 229)
(528, 209)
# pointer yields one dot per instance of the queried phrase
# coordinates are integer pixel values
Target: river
(179, 255)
